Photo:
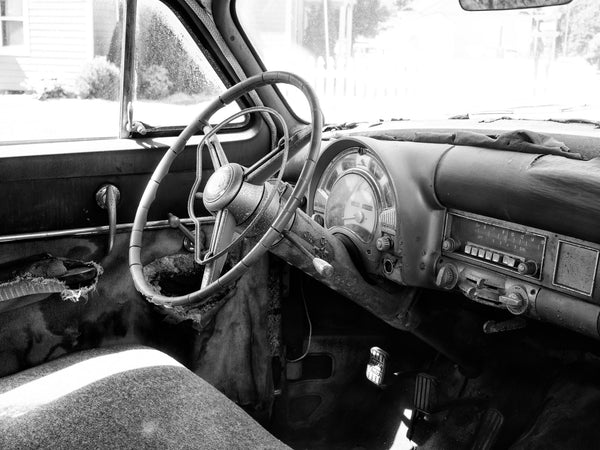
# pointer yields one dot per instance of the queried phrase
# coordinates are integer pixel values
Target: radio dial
(450, 245)
(527, 268)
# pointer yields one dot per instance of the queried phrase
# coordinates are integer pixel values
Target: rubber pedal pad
(488, 430)
(377, 367)
(425, 399)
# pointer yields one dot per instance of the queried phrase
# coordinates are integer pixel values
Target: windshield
(428, 59)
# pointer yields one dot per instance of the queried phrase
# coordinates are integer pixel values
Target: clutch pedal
(488, 430)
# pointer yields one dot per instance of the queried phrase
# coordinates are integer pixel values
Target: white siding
(59, 44)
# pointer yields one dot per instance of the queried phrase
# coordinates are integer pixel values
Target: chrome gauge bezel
(366, 176)
(378, 179)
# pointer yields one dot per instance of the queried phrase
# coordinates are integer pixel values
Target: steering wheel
(232, 193)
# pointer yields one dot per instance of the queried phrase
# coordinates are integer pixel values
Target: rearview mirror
(493, 5)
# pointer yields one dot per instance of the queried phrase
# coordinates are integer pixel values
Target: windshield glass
(424, 59)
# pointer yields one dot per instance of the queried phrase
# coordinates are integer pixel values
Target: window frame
(20, 49)
(200, 36)
(259, 61)
(209, 49)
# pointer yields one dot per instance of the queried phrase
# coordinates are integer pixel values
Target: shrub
(154, 82)
(48, 88)
(55, 90)
(99, 79)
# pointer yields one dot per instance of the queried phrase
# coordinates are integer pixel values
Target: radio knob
(527, 268)
(447, 277)
(384, 243)
(450, 245)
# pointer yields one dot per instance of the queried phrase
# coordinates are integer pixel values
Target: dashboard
(415, 214)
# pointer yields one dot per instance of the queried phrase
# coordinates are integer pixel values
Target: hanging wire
(309, 327)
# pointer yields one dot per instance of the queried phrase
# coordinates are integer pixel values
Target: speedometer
(352, 204)
(355, 197)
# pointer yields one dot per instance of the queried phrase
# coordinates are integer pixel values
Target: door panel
(49, 188)
(57, 191)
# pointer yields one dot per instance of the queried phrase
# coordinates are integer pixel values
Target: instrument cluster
(354, 198)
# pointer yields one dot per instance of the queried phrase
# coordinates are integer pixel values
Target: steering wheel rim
(278, 225)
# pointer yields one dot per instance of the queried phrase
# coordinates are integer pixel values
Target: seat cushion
(121, 397)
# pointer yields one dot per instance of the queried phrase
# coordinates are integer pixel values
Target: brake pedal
(425, 401)
(377, 366)
(488, 430)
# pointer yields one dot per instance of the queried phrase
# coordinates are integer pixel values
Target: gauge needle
(358, 216)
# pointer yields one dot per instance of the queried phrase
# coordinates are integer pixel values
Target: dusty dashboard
(392, 204)
(377, 197)
(528, 271)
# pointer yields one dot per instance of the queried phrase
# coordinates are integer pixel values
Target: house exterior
(46, 39)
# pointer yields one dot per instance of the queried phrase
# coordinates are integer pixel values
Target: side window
(60, 69)
(173, 77)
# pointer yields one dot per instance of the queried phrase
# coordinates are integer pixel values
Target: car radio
(516, 250)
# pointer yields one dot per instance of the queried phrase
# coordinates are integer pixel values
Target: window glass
(174, 80)
(12, 33)
(65, 84)
(430, 59)
(11, 25)
(60, 69)
(11, 8)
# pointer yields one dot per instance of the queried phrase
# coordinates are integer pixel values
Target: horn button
(222, 187)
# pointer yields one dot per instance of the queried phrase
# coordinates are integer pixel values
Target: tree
(162, 61)
(593, 54)
(403, 4)
(367, 18)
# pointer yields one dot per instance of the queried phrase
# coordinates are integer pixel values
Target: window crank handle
(107, 197)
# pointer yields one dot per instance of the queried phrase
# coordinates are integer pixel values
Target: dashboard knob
(450, 245)
(515, 300)
(527, 268)
(384, 243)
(447, 277)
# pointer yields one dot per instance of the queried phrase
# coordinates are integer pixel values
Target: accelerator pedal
(489, 428)
(377, 367)
(425, 401)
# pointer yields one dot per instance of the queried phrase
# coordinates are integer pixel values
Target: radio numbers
(508, 248)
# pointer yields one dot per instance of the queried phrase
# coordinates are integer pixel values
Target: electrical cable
(309, 328)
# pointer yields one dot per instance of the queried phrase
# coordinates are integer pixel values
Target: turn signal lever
(322, 267)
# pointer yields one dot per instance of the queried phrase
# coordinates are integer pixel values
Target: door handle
(107, 197)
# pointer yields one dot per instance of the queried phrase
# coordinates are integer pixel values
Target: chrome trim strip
(127, 80)
(154, 225)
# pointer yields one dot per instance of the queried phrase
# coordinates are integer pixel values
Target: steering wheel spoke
(222, 236)
(215, 149)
